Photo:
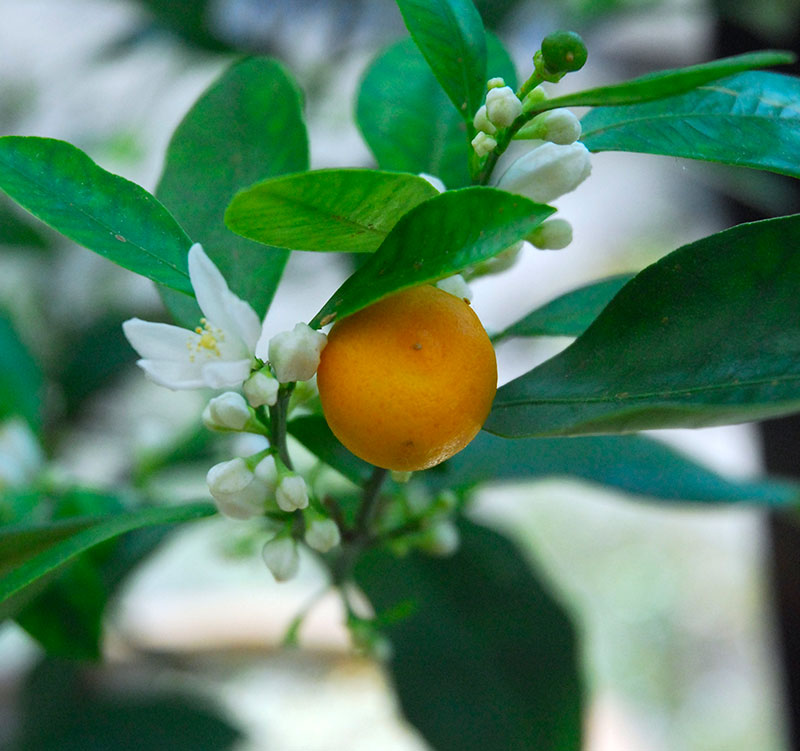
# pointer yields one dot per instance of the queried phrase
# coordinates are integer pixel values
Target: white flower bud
(554, 234)
(291, 493)
(321, 534)
(433, 180)
(505, 259)
(441, 538)
(495, 83)
(261, 389)
(228, 411)
(502, 106)
(455, 285)
(21, 456)
(482, 122)
(558, 126)
(266, 472)
(547, 172)
(238, 492)
(483, 144)
(294, 354)
(282, 558)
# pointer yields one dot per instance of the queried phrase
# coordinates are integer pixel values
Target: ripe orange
(408, 381)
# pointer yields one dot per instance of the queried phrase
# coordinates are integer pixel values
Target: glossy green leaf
(313, 432)
(487, 660)
(345, 210)
(20, 378)
(668, 83)
(407, 120)
(112, 216)
(450, 35)
(749, 120)
(246, 127)
(634, 464)
(438, 238)
(45, 562)
(570, 314)
(708, 335)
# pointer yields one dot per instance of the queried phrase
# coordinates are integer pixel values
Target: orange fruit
(408, 381)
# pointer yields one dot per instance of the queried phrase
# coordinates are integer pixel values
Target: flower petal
(159, 341)
(174, 375)
(219, 305)
(222, 374)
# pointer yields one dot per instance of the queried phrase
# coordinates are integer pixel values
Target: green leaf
(313, 432)
(708, 335)
(45, 561)
(438, 238)
(487, 661)
(20, 378)
(65, 707)
(570, 314)
(632, 463)
(112, 216)
(667, 83)
(749, 120)
(408, 121)
(450, 35)
(343, 210)
(246, 127)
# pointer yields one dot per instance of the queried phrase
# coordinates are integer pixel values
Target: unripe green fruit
(563, 51)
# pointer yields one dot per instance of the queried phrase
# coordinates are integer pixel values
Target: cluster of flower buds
(501, 109)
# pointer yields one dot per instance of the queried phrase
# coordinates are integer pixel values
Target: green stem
(278, 414)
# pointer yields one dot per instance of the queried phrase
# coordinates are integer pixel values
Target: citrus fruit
(408, 381)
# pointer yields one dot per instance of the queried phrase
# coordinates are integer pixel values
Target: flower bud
(21, 456)
(455, 285)
(554, 234)
(282, 557)
(483, 144)
(441, 538)
(502, 106)
(495, 83)
(482, 123)
(260, 389)
(433, 180)
(294, 355)
(547, 172)
(322, 534)
(557, 126)
(228, 411)
(238, 492)
(291, 493)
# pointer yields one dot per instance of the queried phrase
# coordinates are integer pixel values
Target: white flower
(433, 180)
(547, 172)
(502, 106)
(483, 144)
(261, 389)
(481, 121)
(455, 285)
(228, 411)
(238, 491)
(281, 556)
(294, 355)
(217, 354)
(554, 234)
(291, 493)
(321, 534)
(21, 456)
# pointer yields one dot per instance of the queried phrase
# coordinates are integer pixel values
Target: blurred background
(679, 636)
